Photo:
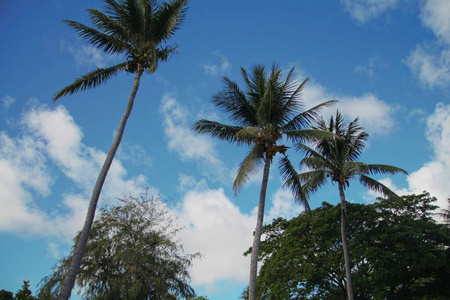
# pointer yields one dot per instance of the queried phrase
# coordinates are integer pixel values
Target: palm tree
(268, 111)
(335, 159)
(139, 30)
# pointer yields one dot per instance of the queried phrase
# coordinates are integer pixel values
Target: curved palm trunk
(345, 242)
(258, 230)
(69, 280)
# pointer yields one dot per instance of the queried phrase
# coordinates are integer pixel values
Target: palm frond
(290, 94)
(232, 100)
(292, 181)
(107, 43)
(309, 135)
(108, 25)
(377, 186)
(248, 134)
(384, 169)
(309, 151)
(248, 167)
(169, 18)
(90, 80)
(317, 163)
(219, 130)
(133, 16)
(312, 181)
(350, 168)
(306, 118)
(355, 145)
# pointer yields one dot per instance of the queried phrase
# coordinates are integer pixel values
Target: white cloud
(365, 10)
(187, 144)
(435, 15)
(434, 175)
(221, 68)
(432, 69)
(87, 55)
(217, 229)
(134, 154)
(431, 62)
(374, 114)
(368, 69)
(283, 205)
(51, 141)
(221, 232)
(7, 101)
(377, 116)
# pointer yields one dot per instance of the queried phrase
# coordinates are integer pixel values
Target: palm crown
(335, 158)
(265, 114)
(139, 29)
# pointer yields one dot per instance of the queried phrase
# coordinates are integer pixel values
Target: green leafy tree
(398, 252)
(132, 254)
(6, 295)
(139, 30)
(335, 159)
(268, 111)
(25, 293)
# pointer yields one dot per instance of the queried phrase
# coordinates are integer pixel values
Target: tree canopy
(399, 252)
(132, 254)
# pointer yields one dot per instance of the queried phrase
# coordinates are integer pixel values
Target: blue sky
(388, 62)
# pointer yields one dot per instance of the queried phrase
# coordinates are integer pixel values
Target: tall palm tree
(267, 112)
(335, 159)
(139, 30)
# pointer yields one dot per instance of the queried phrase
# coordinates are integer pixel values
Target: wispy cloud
(134, 154)
(187, 144)
(367, 69)
(221, 67)
(7, 101)
(362, 11)
(87, 56)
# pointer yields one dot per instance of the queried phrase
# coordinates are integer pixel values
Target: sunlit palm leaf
(248, 167)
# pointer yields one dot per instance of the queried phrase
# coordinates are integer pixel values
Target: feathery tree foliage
(132, 254)
(335, 159)
(138, 30)
(398, 252)
(267, 112)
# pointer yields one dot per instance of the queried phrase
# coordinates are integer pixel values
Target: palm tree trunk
(258, 230)
(69, 280)
(348, 272)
